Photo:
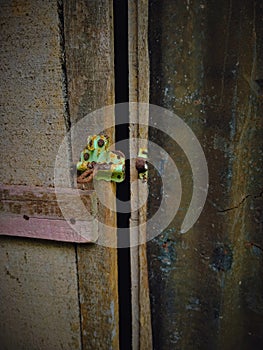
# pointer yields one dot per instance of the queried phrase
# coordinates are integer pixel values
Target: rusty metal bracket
(97, 161)
(141, 164)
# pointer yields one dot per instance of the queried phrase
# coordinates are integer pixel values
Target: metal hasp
(97, 161)
(141, 164)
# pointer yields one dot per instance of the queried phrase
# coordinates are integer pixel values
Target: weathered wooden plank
(39, 212)
(39, 301)
(31, 100)
(139, 92)
(206, 290)
(38, 280)
(90, 72)
(89, 56)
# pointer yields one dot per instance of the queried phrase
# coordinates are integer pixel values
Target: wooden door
(202, 62)
(57, 65)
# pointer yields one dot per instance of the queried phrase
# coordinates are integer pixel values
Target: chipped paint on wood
(35, 212)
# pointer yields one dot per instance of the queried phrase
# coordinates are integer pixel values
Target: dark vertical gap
(120, 9)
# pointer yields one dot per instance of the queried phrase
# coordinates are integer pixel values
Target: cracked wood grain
(241, 202)
(139, 92)
(88, 30)
(39, 299)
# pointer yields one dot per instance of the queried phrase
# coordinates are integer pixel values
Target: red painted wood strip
(34, 212)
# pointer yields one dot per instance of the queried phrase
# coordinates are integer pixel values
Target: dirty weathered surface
(206, 66)
(89, 56)
(35, 212)
(138, 92)
(39, 295)
(88, 27)
(54, 296)
(31, 92)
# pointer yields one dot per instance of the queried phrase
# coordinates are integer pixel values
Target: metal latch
(98, 162)
(141, 164)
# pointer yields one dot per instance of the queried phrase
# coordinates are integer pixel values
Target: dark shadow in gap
(120, 10)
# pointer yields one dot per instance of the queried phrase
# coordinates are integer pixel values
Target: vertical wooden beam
(88, 29)
(138, 92)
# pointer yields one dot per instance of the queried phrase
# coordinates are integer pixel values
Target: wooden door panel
(39, 295)
(38, 212)
(56, 66)
(32, 105)
(139, 92)
(88, 30)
